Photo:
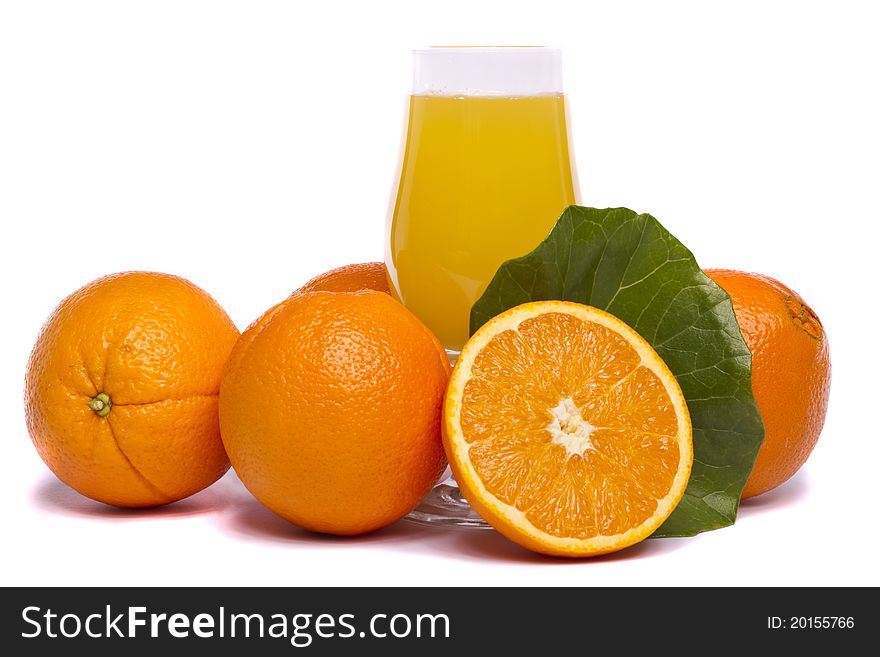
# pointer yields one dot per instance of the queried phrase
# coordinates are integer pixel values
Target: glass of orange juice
(486, 171)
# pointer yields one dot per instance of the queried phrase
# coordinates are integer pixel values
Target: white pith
(569, 429)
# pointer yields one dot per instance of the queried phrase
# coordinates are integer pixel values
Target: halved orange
(566, 431)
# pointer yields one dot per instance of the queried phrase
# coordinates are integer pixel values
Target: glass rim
(487, 71)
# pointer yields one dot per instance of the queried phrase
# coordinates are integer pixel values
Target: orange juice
(483, 180)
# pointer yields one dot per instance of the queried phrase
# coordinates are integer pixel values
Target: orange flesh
(564, 424)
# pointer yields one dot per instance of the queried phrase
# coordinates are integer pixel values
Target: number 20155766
(811, 623)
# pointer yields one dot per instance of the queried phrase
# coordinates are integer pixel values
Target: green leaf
(631, 266)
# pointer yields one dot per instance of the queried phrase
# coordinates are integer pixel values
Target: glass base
(444, 506)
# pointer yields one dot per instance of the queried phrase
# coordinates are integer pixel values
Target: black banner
(422, 621)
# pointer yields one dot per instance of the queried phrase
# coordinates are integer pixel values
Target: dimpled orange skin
(156, 346)
(351, 278)
(330, 410)
(791, 372)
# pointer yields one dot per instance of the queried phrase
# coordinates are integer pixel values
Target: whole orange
(330, 410)
(351, 278)
(121, 389)
(791, 372)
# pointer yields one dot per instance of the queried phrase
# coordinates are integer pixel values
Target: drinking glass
(485, 172)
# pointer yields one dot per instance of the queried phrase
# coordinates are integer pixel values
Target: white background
(251, 145)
